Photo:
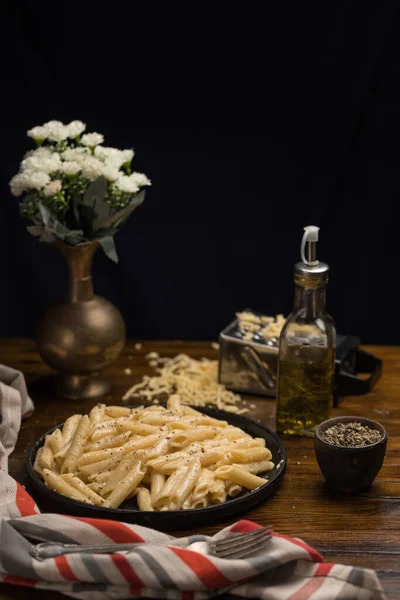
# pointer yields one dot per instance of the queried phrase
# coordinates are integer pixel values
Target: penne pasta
(184, 438)
(159, 449)
(136, 428)
(70, 427)
(157, 419)
(250, 455)
(96, 487)
(36, 465)
(144, 499)
(160, 459)
(233, 489)
(126, 486)
(185, 486)
(78, 442)
(240, 477)
(61, 454)
(102, 430)
(46, 459)
(109, 441)
(157, 482)
(99, 455)
(256, 467)
(217, 492)
(117, 411)
(118, 473)
(164, 495)
(97, 413)
(57, 483)
(78, 484)
(203, 484)
(98, 477)
(174, 402)
(56, 441)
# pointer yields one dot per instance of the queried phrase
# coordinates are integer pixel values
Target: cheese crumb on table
(196, 381)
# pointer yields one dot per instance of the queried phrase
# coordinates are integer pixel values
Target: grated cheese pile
(266, 328)
(196, 382)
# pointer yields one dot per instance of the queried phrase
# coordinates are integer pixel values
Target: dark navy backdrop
(247, 132)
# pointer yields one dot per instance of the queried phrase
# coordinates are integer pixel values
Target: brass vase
(85, 334)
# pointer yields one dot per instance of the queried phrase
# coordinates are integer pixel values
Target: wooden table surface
(361, 530)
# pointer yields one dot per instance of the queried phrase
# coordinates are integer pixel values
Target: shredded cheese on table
(196, 382)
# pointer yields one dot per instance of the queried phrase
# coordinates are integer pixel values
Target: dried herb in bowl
(351, 435)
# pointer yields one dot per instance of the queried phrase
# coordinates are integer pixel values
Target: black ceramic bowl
(176, 519)
(349, 469)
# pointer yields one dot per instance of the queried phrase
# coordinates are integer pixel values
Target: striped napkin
(161, 566)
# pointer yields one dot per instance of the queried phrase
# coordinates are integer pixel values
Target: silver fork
(240, 545)
(235, 545)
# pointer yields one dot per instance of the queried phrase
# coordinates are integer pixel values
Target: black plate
(177, 519)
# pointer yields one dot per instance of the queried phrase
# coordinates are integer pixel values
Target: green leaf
(107, 243)
(75, 210)
(44, 233)
(45, 214)
(95, 194)
(86, 217)
(73, 240)
(116, 219)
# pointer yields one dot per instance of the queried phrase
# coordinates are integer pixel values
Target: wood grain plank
(361, 530)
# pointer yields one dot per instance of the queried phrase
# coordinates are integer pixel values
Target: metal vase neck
(79, 262)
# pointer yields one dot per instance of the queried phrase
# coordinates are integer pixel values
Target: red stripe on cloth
(117, 532)
(244, 526)
(323, 569)
(127, 571)
(314, 555)
(201, 566)
(314, 584)
(19, 581)
(187, 595)
(308, 589)
(64, 568)
(25, 503)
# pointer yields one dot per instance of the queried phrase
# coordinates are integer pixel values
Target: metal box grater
(250, 366)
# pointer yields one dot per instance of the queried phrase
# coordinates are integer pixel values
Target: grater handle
(260, 368)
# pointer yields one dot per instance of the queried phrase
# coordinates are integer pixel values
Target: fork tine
(239, 538)
(243, 544)
(243, 551)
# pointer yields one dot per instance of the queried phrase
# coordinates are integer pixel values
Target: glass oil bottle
(306, 348)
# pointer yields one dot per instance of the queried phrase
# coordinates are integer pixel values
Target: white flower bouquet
(76, 189)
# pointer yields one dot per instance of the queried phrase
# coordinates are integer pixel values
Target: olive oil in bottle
(306, 348)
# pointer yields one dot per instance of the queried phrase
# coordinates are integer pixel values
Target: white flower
(28, 180)
(37, 180)
(18, 184)
(126, 156)
(92, 168)
(126, 184)
(52, 188)
(140, 179)
(70, 167)
(113, 155)
(42, 159)
(75, 128)
(56, 131)
(92, 139)
(110, 172)
(38, 133)
(75, 154)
